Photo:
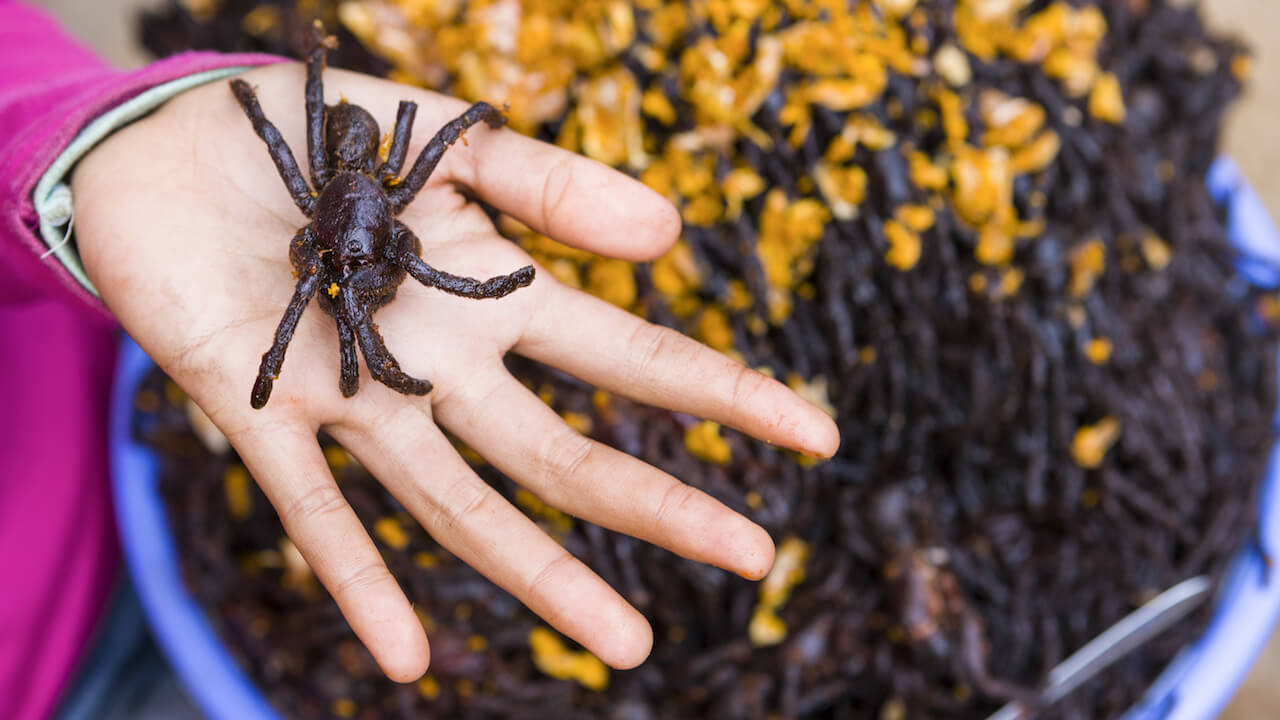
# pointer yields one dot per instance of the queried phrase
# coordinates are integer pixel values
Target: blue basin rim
(179, 624)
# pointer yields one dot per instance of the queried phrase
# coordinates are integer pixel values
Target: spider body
(353, 223)
(354, 254)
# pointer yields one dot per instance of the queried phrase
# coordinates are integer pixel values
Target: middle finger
(529, 442)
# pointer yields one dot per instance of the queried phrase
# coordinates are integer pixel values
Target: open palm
(184, 226)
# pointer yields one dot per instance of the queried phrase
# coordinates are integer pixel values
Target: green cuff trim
(52, 197)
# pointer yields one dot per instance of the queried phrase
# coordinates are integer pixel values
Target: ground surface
(1253, 139)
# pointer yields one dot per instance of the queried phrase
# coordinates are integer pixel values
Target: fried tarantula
(354, 248)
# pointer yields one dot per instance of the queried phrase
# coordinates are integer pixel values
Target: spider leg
(320, 46)
(276, 146)
(350, 380)
(403, 194)
(272, 359)
(399, 143)
(495, 287)
(382, 365)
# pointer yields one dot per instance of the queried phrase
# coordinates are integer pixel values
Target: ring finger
(473, 521)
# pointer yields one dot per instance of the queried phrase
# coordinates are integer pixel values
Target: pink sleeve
(59, 556)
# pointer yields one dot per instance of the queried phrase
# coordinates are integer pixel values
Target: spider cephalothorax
(354, 253)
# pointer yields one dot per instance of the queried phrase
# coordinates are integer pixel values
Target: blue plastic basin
(1196, 686)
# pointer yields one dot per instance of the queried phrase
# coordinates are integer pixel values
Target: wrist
(54, 196)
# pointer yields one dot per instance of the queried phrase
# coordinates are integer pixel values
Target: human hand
(184, 227)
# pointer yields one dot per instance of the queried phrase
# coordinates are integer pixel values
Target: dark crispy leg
(320, 46)
(382, 366)
(350, 380)
(404, 193)
(971, 662)
(495, 287)
(279, 149)
(269, 370)
(399, 142)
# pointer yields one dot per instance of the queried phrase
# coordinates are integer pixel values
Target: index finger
(615, 350)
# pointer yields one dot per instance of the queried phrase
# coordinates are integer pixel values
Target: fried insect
(353, 254)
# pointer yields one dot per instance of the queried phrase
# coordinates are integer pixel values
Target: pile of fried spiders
(354, 248)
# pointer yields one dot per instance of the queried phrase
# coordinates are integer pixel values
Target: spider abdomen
(352, 222)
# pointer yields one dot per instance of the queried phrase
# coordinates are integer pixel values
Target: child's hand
(184, 226)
